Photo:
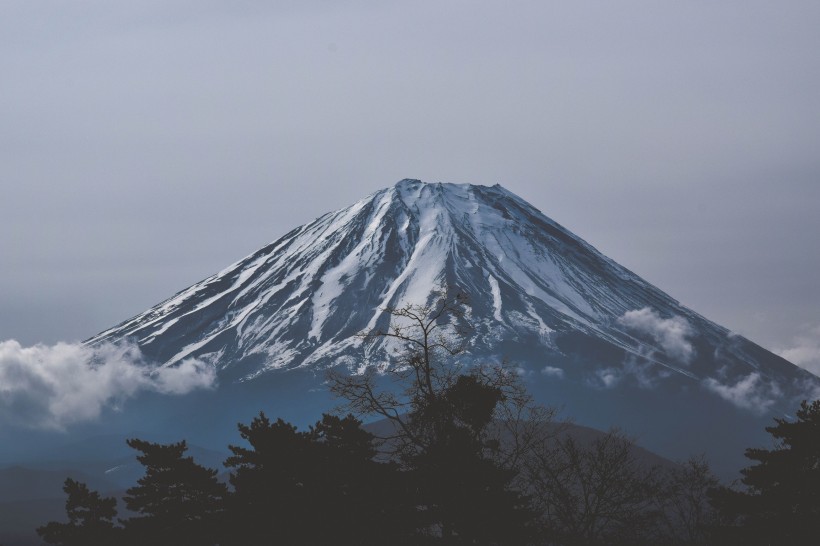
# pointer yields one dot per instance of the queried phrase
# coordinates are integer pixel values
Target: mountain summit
(582, 330)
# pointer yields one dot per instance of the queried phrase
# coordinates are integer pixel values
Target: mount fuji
(583, 332)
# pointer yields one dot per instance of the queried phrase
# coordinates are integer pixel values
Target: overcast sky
(145, 145)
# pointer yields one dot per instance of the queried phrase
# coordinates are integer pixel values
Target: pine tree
(366, 502)
(319, 486)
(90, 519)
(269, 491)
(179, 502)
(467, 496)
(781, 501)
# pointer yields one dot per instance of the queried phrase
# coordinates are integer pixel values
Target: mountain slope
(299, 300)
(582, 330)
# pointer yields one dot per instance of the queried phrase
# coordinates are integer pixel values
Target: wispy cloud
(53, 386)
(552, 371)
(669, 333)
(641, 370)
(606, 378)
(805, 350)
(751, 392)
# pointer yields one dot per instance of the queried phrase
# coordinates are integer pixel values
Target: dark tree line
(468, 460)
(780, 499)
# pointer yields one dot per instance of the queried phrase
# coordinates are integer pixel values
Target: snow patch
(496, 291)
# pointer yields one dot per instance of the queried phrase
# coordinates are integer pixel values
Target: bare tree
(426, 332)
(459, 430)
(432, 334)
(684, 502)
(593, 493)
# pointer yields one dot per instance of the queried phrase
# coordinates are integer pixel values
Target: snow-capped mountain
(582, 330)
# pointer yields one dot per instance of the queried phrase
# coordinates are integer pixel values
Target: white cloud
(805, 351)
(607, 377)
(52, 386)
(552, 371)
(751, 392)
(671, 334)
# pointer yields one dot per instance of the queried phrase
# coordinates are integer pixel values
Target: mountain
(584, 332)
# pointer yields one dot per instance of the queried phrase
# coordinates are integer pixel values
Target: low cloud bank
(670, 333)
(53, 386)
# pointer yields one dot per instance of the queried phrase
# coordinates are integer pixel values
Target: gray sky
(145, 145)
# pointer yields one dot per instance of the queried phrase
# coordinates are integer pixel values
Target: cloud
(642, 371)
(805, 350)
(606, 378)
(751, 392)
(53, 386)
(669, 333)
(522, 372)
(552, 371)
(646, 373)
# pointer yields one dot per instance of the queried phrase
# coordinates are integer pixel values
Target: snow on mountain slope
(538, 294)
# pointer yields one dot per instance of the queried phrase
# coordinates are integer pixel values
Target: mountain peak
(300, 300)
(408, 182)
(413, 184)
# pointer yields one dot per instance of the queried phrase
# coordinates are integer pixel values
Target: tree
(468, 498)
(596, 492)
(418, 370)
(268, 489)
(686, 512)
(319, 486)
(366, 501)
(447, 426)
(781, 500)
(178, 501)
(90, 519)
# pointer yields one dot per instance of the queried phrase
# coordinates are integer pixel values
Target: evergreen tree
(781, 501)
(365, 501)
(269, 494)
(314, 487)
(90, 519)
(467, 497)
(179, 502)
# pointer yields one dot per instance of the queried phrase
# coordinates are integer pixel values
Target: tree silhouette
(686, 513)
(366, 502)
(178, 501)
(467, 497)
(594, 493)
(90, 519)
(269, 494)
(781, 500)
(446, 427)
(319, 486)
